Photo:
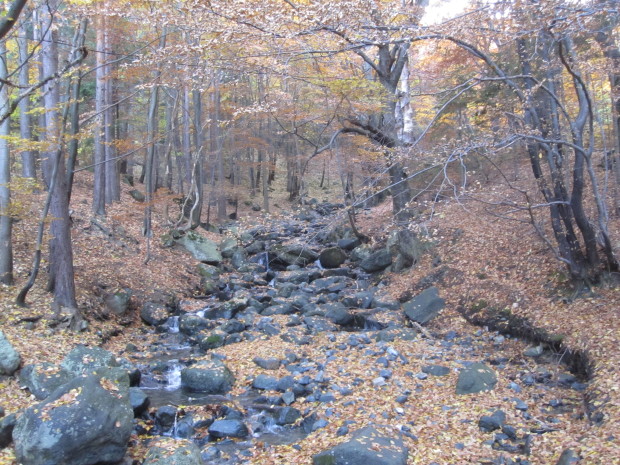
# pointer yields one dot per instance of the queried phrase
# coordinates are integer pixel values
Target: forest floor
(503, 264)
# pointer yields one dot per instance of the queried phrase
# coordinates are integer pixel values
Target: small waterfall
(173, 375)
(317, 262)
(173, 324)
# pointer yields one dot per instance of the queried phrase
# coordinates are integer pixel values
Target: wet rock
(477, 377)
(154, 314)
(44, 378)
(82, 423)
(87, 359)
(9, 357)
(425, 306)
(201, 248)
(377, 261)
(191, 324)
(367, 445)
(228, 429)
(138, 400)
(167, 451)
(332, 257)
(165, 417)
(287, 416)
(208, 376)
(493, 422)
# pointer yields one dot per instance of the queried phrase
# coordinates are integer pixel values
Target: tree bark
(6, 245)
(25, 121)
(99, 203)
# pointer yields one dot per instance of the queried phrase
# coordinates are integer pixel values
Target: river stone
(43, 378)
(208, 271)
(82, 359)
(495, 421)
(212, 340)
(339, 315)
(332, 257)
(377, 261)
(154, 314)
(287, 416)
(168, 451)
(84, 422)
(228, 429)
(349, 244)
(367, 446)
(295, 254)
(228, 246)
(208, 376)
(9, 357)
(191, 324)
(201, 248)
(477, 377)
(425, 306)
(267, 363)
(406, 247)
(138, 400)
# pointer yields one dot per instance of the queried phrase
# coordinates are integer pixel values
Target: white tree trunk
(6, 248)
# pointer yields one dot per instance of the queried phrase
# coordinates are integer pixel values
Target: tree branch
(8, 21)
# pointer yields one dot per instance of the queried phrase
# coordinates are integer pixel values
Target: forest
(298, 231)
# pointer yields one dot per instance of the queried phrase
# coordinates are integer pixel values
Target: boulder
(425, 306)
(138, 400)
(7, 424)
(376, 261)
(208, 376)
(495, 421)
(349, 244)
(154, 314)
(43, 378)
(84, 359)
(9, 358)
(191, 324)
(137, 195)
(477, 377)
(405, 246)
(436, 370)
(366, 446)
(201, 248)
(118, 302)
(228, 246)
(287, 416)
(228, 429)
(332, 257)
(168, 451)
(212, 340)
(86, 421)
(295, 254)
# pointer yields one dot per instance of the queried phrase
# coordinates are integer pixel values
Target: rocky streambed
(293, 353)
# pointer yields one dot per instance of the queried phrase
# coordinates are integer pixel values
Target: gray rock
(332, 257)
(43, 378)
(349, 244)
(228, 429)
(154, 314)
(339, 315)
(406, 247)
(436, 370)
(138, 400)
(212, 340)
(167, 451)
(477, 377)
(377, 261)
(165, 417)
(7, 424)
(137, 195)
(264, 382)
(493, 422)
(118, 302)
(208, 271)
(295, 254)
(361, 252)
(392, 334)
(209, 376)
(566, 458)
(9, 357)
(287, 416)
(84, 359)
(191, 324)
(267, 363)
(425, 306)
(228, 247)
(201, 248)
(367, 446)
(317, 324)
(84, 422)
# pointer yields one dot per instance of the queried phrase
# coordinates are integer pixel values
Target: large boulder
(154, 314)
(367, 446)
(228, 429)
(43, 378)
(377, 261)
(201, 248)
(295, 254)
(86, 421)
(208, 376)
(474, 378)
(9, 358)
(425, 306)
(406, 247)
(84, 359)
(332, 257)
(168, 451)
(118, 302)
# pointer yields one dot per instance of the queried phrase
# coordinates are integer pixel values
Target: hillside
(484, 267)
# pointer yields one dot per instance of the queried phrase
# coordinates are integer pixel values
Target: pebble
(379, 381)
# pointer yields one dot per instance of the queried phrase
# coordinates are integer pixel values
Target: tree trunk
(100, 102)
(6, 245)
(25, 121)
(61, 252)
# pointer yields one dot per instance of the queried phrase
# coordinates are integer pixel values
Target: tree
(12, 14)
(6, 247)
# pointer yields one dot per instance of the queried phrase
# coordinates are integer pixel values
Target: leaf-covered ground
(484, 259)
